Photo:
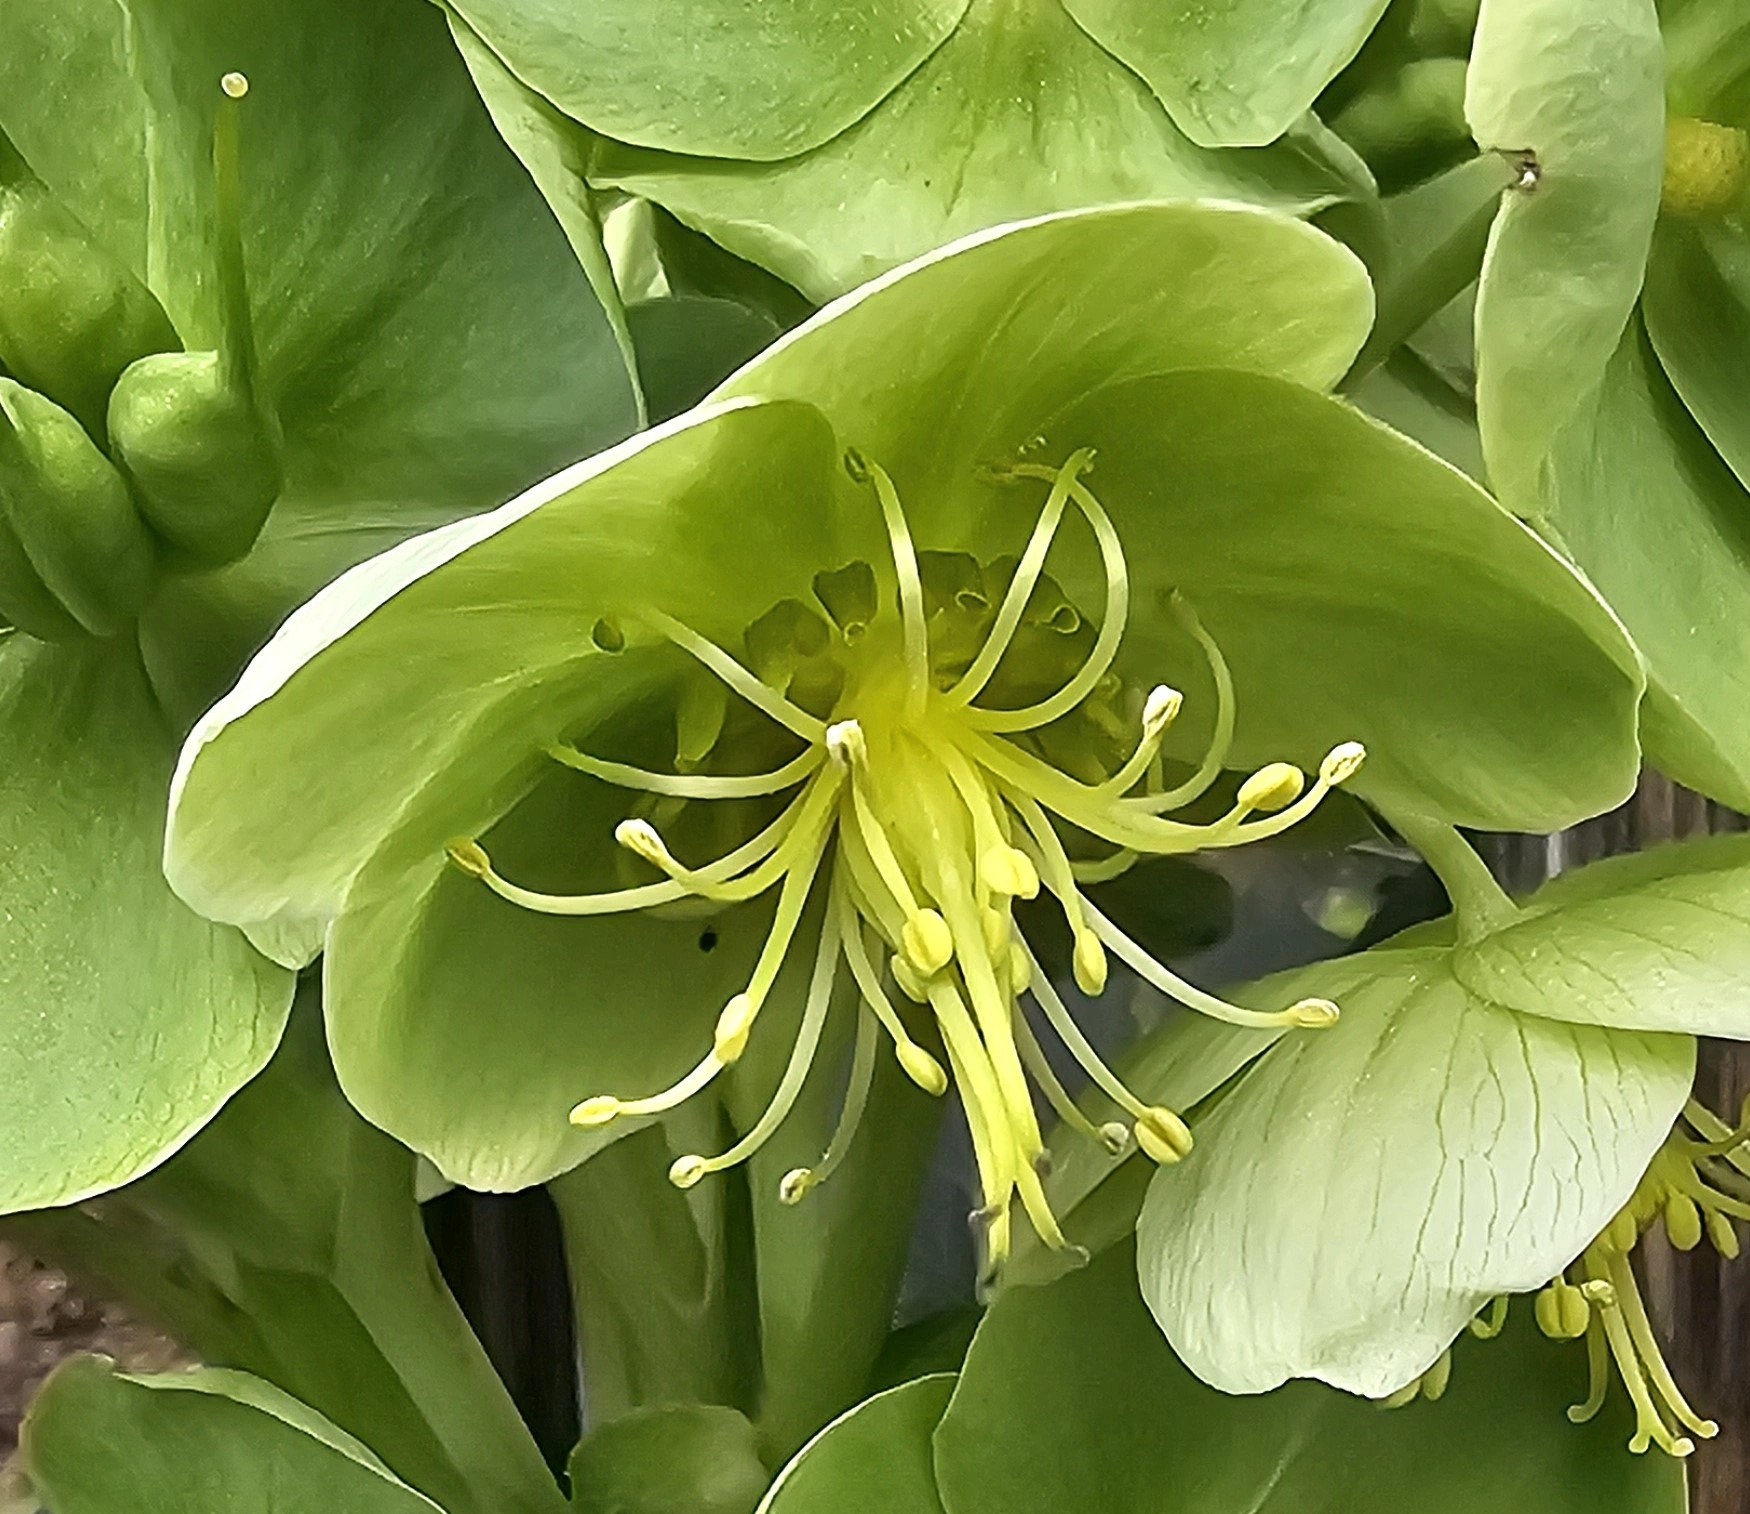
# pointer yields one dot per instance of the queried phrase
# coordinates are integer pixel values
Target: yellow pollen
(733, 1027)
(795, 1185)
(929, 944)
(1342, 763)
(469, 856)
(1089, 964)
(921, 1068)
(685, 1171)
(1272, 787)
(1004, 869)
(1313, 1014)
(600, 1110)
(1163, 1136)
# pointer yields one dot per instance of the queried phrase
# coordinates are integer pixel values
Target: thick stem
(1479, 904)
(237, 355)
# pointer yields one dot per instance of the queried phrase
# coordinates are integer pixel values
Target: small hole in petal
(708, 939)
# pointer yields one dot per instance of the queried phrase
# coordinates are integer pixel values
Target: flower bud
(72, 513)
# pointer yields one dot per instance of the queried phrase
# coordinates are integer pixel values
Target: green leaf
(688, 344)
(205, 1442)
(125, 1019)
(1467, 1151)
(679, 1459)
(874, 1459)
(1071, 1403)
(1238, 75)
(725, 78)
(286, 1241)
(1707, 58)
(1645, 506)
(1697, 309)
(1660, 941)
(557, 158)
(1578, 86)
(1019, 113)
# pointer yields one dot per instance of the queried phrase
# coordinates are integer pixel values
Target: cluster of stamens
(919, 817)
(1697, 1185)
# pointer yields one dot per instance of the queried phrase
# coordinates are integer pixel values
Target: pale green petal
(1579, 86)
(361, 724)
(1659, 941)
(125, 1019)
(1019, 113)
(1237, 74)
(729, 78)
(701, 1458)
(1707, 58)
(1361, 590)
(1364, 1190)
(959, 358)
(1644, 505)
(873, 1459)
(205, 1442)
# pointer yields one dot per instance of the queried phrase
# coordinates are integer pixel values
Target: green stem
(1480, 905)
(1409, 302)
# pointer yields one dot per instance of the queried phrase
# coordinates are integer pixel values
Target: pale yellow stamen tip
(1115, 1137)
(1274, 786)
(235, 85)
(1020, 970)
(640, 838)
(733, 1025)
(910, 983)
(1599, 1292)
(1089, 963)
(921, 1068)
(1160, 710)
(1562, 1311)
(1342, 762)
(994, 925)
(597, 1111)
(1005, 870)
(1313, 1014)
(795, 1185)
(470, 856)
(928, 943)
(846, 744)
(1163, 1136)
(1722, 1233)
(1622, 1232)
(685, 1171)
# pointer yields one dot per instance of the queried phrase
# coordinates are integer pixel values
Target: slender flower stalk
(949, 751)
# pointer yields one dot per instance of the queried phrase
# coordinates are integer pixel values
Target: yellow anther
(1089, 963)
(470, 856)
(1707, 167)
(910, 983)
(235, 85)
(1596, 1290)
(1163, 1136)
(1405, 1395)
(1115, 1137)
(1722, 1233)
(1274, 786)
(846, 744)
(921, 1068)
(1342, 762)
(1005, 870)
(1562, 1311)
(1160, 710)
(928, 943)
(685, 1171)
(733, 1025)
(1313, 1014)
(1682, 1221)
(1622, 1232)
(1020, 969)
(994, 926)
(795, 1185)
(597, 1111)
(1436, 1378)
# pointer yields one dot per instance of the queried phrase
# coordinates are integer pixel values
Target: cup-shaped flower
(953, 596)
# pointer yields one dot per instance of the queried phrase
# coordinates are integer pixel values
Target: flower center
(945, 738)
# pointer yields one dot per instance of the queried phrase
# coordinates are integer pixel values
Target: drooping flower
(828, 582)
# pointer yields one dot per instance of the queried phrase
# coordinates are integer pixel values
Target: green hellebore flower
(829, 149)
(426, 345)
(847, 538)
(1505, 1108)
(1612, 319)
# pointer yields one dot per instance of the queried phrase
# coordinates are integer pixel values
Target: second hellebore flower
(950, 598)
